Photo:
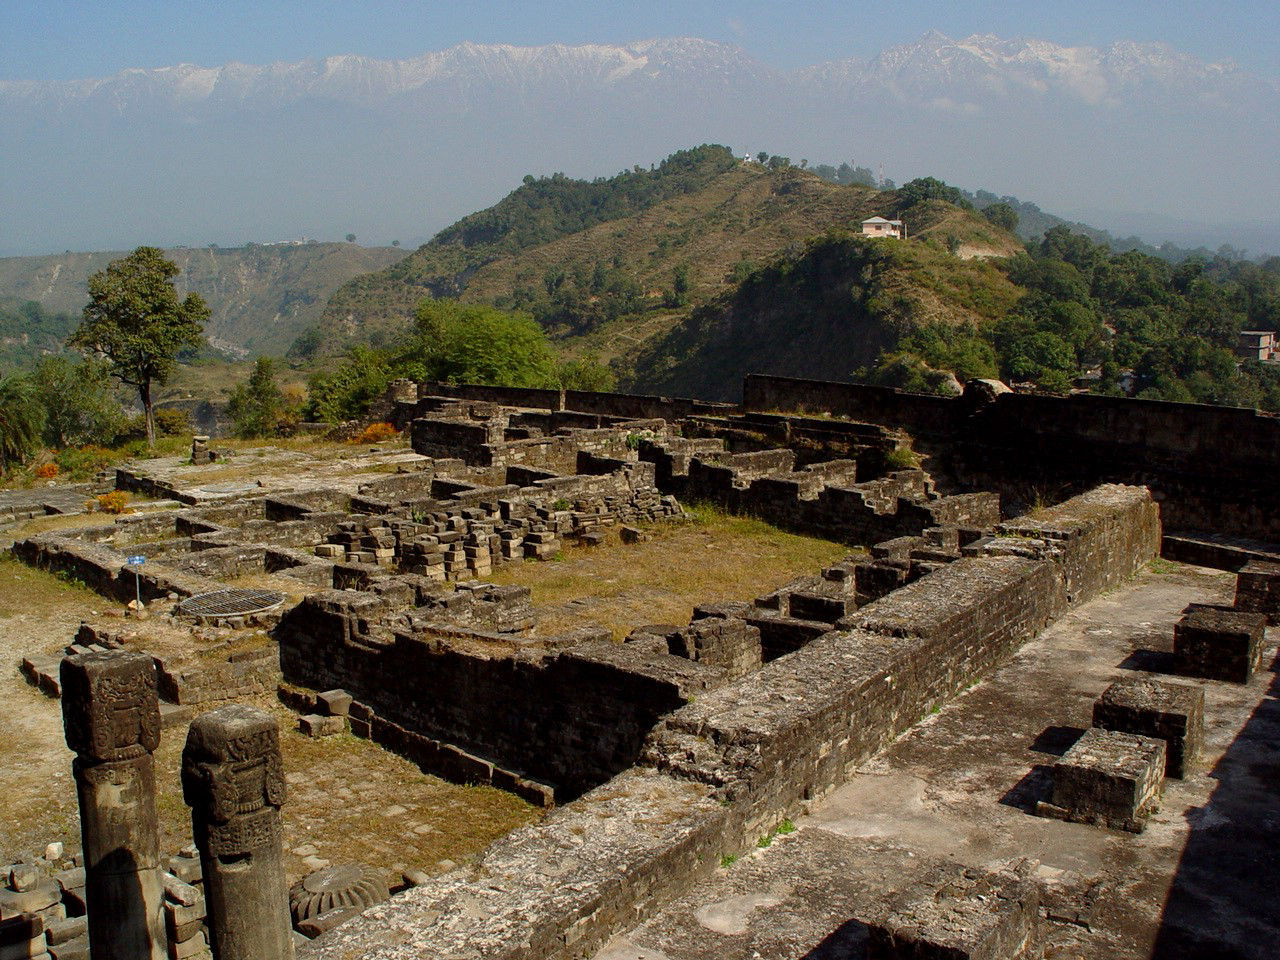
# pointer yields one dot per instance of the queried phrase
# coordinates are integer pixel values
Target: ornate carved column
(112, 721)
(233, 781)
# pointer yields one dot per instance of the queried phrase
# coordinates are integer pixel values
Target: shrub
(115, 502)
(377, 433)
(47, 471)
(81, 463)
(172, 423)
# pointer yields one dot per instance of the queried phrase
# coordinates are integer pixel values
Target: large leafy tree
(21, 420)
(135, 320)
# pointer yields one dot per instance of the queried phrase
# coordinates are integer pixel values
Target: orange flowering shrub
(115, 502)
(47, 471)
(378, 432)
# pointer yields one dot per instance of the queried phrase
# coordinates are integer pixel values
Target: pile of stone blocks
(330, 718)
(1109, 779)
(42, 915)
(185, 913)
(1218, 643)
(1258, 589)
(958, 914)
(1163, 709)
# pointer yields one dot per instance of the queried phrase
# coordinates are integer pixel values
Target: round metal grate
(230, 603)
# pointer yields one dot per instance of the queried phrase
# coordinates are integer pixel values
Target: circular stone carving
(336, 888)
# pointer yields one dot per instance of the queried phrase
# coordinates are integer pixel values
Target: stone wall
(1201, 462)
(727, 767)
(568, 712)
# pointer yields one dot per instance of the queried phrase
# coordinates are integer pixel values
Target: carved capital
(110, 710)
(232, 774)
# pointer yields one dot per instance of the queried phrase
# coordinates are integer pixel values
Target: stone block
(334, 703)
(314, 725)
(187, 869)
(1163, 709)
(77, 949)
(956, 914)
(63, 931)
(1218, 644)
(1108, 778)
(39, 896)
(189, 948)
(1258, 589)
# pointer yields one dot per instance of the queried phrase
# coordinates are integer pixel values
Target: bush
(47, 471)
(82, 463)
(171, 422)
(377, 433)
(114, 502)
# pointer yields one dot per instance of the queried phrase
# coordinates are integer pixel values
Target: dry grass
(353, 801)
(710, 557)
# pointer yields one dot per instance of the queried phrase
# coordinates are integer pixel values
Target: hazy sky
(66, 39)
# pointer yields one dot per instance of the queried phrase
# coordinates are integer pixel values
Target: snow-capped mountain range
(394, 148)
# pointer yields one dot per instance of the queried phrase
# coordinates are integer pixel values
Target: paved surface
(1200, 882)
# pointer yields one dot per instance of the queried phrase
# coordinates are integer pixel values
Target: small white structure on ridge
(880, 227)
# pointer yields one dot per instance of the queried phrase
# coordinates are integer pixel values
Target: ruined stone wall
(1201, 462)
(569, 713)
(726, 768)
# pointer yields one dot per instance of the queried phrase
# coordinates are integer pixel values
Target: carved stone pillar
(112, 720)
(233, 781)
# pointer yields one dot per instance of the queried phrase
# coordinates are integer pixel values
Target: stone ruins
(874, 759)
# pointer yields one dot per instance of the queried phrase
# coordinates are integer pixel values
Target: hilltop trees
(135, 320)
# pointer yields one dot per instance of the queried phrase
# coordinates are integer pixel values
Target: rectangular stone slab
(1164, 709)
(958, 914)
(1109, 778)
(1218, 644)
(1258, 589)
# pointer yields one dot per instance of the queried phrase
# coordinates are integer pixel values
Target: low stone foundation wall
(727, 767)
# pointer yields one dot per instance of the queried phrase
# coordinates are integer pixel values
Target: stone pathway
(958, 789)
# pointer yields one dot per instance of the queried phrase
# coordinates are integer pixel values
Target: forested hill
(604, 266)
(539, 211)
(1067, 313)
(261, 296)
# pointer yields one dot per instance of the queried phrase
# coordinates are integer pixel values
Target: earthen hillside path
(958, 789)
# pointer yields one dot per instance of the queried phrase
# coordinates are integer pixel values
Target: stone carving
(110, 708)
(348, 885)
(233, 780)
(111, 716)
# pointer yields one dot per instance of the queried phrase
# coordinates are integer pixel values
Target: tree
(255, 405)
(351, 238)
(1002, 215)
(135, 320)
(395, 243)
(77, 400)
(20, 421)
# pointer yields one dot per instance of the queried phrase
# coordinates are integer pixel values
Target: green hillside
(825, 312)
(603, 280)
(261, 296)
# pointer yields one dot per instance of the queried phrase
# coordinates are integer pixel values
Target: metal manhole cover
(230, 603)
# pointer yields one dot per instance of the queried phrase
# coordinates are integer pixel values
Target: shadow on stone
(1223, 894)
(1147, 660)
(847, 940)
(1056, 740)
(1036, 785)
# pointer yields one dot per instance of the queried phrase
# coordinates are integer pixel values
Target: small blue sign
(136, 560)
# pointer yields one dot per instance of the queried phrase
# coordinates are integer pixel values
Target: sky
(48, 40)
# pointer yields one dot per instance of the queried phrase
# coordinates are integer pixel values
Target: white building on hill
(880, 227)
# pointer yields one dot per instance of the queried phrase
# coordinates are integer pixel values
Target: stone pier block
(1218, 644)
(1108, 778)
(1163, 709)
(1258, 589)
(957, 914)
